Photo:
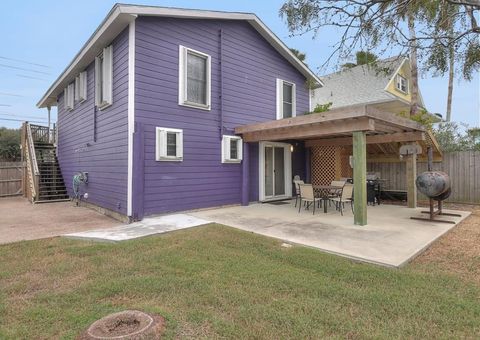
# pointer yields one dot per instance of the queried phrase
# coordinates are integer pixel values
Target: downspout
(220, 52)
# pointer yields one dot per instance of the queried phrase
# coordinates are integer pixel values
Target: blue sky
(50, 32)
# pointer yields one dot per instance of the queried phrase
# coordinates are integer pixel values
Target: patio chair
(345, 197)
(307, 196)
(336, 192)
(296, 183)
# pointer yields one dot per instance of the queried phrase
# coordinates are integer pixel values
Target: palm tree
(362, 58)
(301, 56)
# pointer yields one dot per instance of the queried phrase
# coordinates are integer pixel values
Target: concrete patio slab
(148, 226)
(391, 238)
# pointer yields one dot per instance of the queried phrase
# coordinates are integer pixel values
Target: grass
(216, 281)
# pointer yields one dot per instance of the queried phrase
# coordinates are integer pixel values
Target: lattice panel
(323, 161)
(329, 163)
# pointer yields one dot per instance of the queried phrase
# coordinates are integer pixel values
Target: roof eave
(121, 15)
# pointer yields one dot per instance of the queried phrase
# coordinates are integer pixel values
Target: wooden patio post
(411, 173)
(360, 177)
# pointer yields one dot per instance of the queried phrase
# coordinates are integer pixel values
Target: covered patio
(338, 143)
(391, 238)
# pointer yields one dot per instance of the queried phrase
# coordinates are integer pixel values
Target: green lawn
(216, 281)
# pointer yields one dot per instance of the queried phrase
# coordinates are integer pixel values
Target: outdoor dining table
(323, 191)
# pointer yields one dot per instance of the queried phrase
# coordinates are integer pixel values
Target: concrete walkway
(391, 238)
(147, 227)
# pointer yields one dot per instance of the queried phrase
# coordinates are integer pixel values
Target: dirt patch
(457, 252)
(21, 220)
(130, 324)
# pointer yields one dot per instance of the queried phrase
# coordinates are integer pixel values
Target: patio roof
(385, 131)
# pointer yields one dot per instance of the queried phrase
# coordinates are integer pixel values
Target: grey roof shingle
(358, 85)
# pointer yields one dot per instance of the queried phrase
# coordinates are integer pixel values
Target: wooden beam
(360, 177)
(311, 130)
(373, 139)
(393, 119)
(358, 111)
(411, 173)
(396, 159)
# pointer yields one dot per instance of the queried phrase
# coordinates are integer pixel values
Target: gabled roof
(122, 14)
(363, 84)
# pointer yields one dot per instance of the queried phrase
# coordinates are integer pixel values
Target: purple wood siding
(250, 68)
(106, 158)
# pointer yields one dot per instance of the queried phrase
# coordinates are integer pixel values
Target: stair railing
(32, 166)
(40, 133)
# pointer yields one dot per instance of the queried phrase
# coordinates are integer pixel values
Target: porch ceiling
(385, 131)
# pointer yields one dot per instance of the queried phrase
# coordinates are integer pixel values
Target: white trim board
(131, 113)
(120, 17)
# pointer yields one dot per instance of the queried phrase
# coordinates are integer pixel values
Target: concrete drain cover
(130, 324)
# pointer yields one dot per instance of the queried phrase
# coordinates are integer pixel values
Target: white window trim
(69, 97)
(81, 87)
(280, 83)
(226, 157)
(107, 84)
(161, 144)
(398, 83)
(182, 79)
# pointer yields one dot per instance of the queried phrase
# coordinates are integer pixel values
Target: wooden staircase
(51, 185)
(43, 181)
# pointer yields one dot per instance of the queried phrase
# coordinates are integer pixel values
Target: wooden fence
(463, 168)
(11, 174)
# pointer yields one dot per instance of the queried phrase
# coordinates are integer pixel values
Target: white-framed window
(104, 78)
(81, 87)
(169, 144)
(232, 149)
(194, 88)
(69, 96)
(401, 83)
(286, 99)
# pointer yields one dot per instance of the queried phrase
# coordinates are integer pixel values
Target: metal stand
(432, 212)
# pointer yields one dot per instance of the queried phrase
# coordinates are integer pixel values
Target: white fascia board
(121, 15)
(113, 24)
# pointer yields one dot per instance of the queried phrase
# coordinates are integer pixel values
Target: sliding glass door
(275, 170)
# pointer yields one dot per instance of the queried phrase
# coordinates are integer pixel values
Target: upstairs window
(69, 97)
(402, 84)
(81, 87)
(231, 149)
(286, 99)
(169, 144)
(104, 78)
(195, 77)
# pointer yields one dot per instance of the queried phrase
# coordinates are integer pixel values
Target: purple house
(149, 106)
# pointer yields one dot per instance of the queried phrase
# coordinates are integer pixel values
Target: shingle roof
(358, 85)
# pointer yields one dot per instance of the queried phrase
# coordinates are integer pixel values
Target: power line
(18, 116)
(5, 105)
(23, 69)
(29, 77)
(25, 62)
(22, 120)
(10, 94)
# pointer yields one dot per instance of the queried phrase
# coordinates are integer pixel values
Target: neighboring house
(149, 105)
(384, 84)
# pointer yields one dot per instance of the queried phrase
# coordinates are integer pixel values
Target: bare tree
(375, 25)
